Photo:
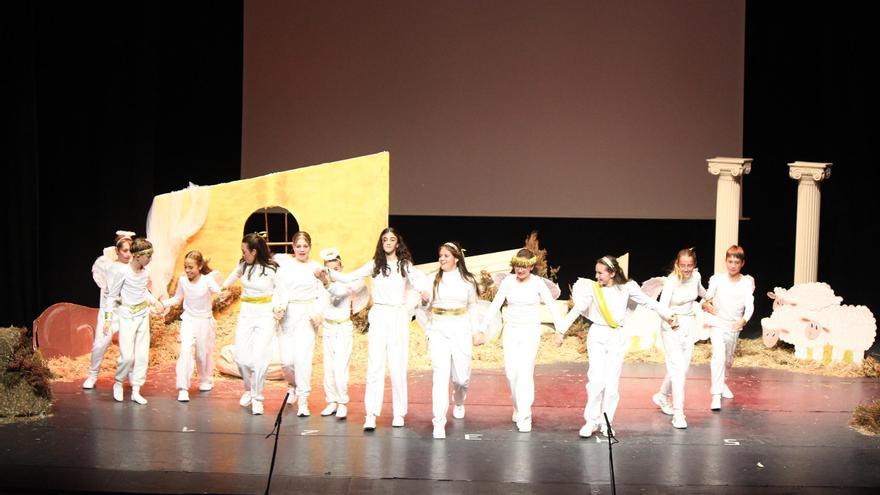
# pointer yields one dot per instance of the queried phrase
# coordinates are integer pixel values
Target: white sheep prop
(810, 317)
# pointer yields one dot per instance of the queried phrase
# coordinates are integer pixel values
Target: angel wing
(653, 287)
(499, 277)
(360, 296)
(555, 291)
(101, 271)
(282, 258)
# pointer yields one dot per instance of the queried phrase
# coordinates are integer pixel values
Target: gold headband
(145, 252)
(524, 262)
(455, 248)
(609, 263)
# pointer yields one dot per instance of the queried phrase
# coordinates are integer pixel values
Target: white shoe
(341, 411)
(397, 422)
(303, 407)
(137, 397)
(662, 401)
(117, 392)
(588, 429)
(90, 382)
(439, 432)
(369, 422)
(291, 395)
(726, 393)
(256, 407)
(716, 402)
(206, 387)
(524, 426)
(329, 410)
(514, 417)
(245, 399)
(458, 412)
(183, 396)
(603, 428)
(679, 422)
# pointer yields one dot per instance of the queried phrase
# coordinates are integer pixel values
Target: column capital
(735, 167)
(809, 170)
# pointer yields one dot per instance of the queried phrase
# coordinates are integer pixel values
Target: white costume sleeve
(178, 294)
(364, 271)
(636, 295)
(582, 297)
(750, 301)
(495, 307)
(550, 302)
(234, 275)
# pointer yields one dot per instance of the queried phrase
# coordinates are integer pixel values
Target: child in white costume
(105, 268)
(523, 291)
(680, 290)
(343, 301)
(195, 289)
(604, 302)
(128, 299)
(452, 323)
(302, 300)
(730, 302)
(255, 332)
(392, 272)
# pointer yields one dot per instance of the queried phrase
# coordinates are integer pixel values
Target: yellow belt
(336, 322)
(389, 305)
(136, 308)
(257, 299)
(449, 311)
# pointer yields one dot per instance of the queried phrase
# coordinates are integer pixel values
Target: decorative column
(727, 203)
(806, 244)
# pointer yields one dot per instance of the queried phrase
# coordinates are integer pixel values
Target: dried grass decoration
(24, 377)
(866, 418)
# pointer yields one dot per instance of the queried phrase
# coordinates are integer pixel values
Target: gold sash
(603, 306)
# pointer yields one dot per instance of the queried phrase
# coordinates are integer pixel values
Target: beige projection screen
(591, 109)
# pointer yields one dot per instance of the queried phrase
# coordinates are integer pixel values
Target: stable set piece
(286, 299)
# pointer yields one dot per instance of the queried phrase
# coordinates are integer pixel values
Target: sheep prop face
(810, 317)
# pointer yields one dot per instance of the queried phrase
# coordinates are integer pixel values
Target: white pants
(678, 345)
(297, 346)
(337, 341)
(101, 343)
(388, 338)
(254, 337)
(723, 345)
(134, 348)
(606, 347)
(449, 344)
(198, 333)
(520, 349)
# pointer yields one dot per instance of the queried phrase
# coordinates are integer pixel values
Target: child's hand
(316, 321)
(107, 324)
(426, 296)
(320, 273)
(557, 339)
(479, 338)
(673, 322)
(279, 313)
(709, 307)
(739, 325)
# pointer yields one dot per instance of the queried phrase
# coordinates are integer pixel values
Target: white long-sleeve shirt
(679, 295)
(296, 282)
(454, 292)
(256, 281)
(128, 288)
(522, 299)
(617, 298)
(387, 289)
(733, 300)
(196, 296)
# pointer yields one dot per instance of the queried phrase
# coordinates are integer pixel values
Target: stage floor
(783, 433)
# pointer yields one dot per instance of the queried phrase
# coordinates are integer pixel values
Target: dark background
(107, 105)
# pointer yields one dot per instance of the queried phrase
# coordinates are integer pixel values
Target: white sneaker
(679, 422)
(329, 410)
(183, 396)
(588, 429)
(397, 422)
(291, 395)
(524, 426)
(245, 399)
(137, 397)
(90, 382)
(369, 422)
(256, 407)
(716, 402)
(341, 411)
(303, 407)
(662, 401)
(439, 432)
(514, 417)
(726, 393)
(458, 412)
(117, 392)
(206, 387)
(603, 428)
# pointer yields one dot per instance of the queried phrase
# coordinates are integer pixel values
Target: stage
(782, 433)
